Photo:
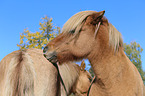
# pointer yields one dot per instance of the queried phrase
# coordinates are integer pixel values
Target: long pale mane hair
(70, 73)
(15, 72)
(76, 22)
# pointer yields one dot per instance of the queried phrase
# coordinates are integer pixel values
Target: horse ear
(97, 17)
(83, 65)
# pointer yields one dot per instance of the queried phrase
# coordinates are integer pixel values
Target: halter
(91, 85)
(97, 28)
(55, 64)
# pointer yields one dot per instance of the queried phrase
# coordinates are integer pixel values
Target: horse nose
(45, 49)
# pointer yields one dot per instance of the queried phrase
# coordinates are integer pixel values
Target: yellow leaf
(37, 33)
(29, 34)
(21, 41)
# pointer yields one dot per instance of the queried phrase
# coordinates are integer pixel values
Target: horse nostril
(45, 49)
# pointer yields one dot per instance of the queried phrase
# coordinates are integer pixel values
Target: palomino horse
(28, 73)
(88, 34)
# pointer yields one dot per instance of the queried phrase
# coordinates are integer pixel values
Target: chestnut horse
(29, 73)
(88, 34)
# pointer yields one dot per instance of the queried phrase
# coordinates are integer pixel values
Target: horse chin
(51, 57)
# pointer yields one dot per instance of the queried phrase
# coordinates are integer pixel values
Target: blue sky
(128, 16)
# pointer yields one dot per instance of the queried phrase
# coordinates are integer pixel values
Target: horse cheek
(82, 46)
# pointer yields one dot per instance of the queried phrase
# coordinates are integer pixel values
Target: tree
(133, 52)
(39, 38)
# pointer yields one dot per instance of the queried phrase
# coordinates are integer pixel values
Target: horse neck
(110, 67)
(70, 74)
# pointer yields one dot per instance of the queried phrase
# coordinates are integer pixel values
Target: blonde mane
(69, 73)
(75, 23)
(26, 73)
(115, 37)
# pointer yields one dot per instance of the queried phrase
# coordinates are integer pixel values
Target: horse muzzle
(50, 55)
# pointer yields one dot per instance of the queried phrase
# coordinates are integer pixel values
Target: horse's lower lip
(52, 59)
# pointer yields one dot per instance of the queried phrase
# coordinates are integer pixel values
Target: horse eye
(72, 31)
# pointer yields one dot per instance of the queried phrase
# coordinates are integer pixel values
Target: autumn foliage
(39, 38)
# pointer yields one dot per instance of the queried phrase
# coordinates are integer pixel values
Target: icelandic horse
(88, 34)
(29, 73)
